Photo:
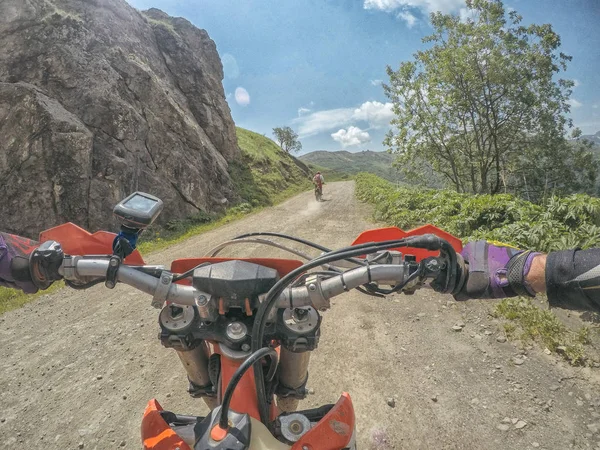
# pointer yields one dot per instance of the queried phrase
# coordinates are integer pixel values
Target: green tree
(483, 93)
(287, 139)
(543, 170)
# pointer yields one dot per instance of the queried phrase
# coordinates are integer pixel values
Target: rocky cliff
(97, 100)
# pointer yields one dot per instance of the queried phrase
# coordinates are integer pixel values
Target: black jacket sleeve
(573, 279)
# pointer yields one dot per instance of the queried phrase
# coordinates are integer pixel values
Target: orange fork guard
(77, 241)
(244, 398)
(393, 233)
(156, 433)
(334, 431)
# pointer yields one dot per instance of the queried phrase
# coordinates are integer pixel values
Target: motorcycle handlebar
(316, 291)
(75, 268)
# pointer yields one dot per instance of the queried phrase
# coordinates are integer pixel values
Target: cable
(237, 376)
(215, 251)
(84, 285)
(293, 238)
(285, 236)
(187, 273)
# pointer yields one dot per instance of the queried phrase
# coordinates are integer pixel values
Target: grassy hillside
(378, 163)
(329, 174)
(266, 174)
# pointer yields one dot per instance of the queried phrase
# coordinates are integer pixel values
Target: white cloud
(376, 82)
(230, 66)
(241, 96)
(408, 18)
(303, 111)
(575, 103)
(320, 121)
(426, 6)
(576, 83)
(376, 114)
(595, 106)
(351, 136)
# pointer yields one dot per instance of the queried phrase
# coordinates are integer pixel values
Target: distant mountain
(595, 138)
(379, 163)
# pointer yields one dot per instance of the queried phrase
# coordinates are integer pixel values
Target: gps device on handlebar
(138, 210)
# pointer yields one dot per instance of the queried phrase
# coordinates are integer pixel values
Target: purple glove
(495, 271)
(11, 248)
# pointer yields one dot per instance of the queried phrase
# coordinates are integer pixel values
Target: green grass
(160, 23)
(264, 176)
(531, 323)
(12, 299)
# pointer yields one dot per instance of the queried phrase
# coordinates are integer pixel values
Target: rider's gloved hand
(14, 260)
(495, 271)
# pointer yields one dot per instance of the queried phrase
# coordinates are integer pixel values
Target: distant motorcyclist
(319, 181)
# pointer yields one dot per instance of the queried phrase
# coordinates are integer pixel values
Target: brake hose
(237, 376)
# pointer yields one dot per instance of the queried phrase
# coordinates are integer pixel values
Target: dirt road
(77, 368)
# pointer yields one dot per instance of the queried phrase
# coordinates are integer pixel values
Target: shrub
(561, 223)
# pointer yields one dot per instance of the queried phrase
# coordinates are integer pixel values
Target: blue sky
(317, 65)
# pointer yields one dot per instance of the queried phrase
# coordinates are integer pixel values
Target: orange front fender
(156, 433)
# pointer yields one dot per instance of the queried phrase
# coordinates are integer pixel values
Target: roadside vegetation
(264, 176)
(560, 223)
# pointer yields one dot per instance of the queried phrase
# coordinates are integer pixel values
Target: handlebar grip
(19, 269)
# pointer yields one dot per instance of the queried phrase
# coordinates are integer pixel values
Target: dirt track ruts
(79, 367)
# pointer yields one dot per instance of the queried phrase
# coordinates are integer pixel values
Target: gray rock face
(98, 100)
